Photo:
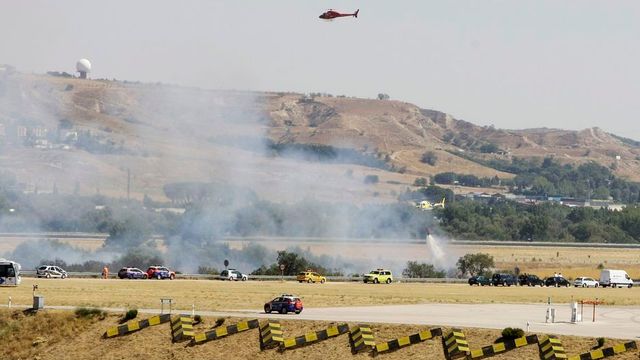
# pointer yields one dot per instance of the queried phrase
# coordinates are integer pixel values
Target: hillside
(71, 135)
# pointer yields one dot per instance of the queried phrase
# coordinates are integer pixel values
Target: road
(614, 322)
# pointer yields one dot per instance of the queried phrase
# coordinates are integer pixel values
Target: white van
(615, 278)
(9, 273)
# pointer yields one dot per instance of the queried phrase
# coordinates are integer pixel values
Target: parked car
(283, 304)
(132, 273)
(160, 272)
(379, 276)
(530, 280)
(615, 278)
(310, 277)
(51, 271)
(556, 281)
(503, 279)
(233, 274)
(479, 280)
(585, 282)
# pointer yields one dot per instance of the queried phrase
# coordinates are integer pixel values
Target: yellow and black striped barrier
(361, 339)
(133, 326)
(181, 328)
(406, 341)
(270, 335)
(314, 337)
(551, 349)
(201, 338)
(606, 352)
(502, 347)
(455, 345)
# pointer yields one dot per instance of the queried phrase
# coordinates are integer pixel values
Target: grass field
(59, 335)
(223, 295)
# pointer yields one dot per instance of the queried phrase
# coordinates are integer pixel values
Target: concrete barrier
(133, 326)
(270, 335)
(401, 342)
(314, 337)
(455, 345)
(502, 347)
(361, 339)
(551, 349)
(201, 338)
(181, 328)
(606, 352)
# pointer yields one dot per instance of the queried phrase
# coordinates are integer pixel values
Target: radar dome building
(83, 66)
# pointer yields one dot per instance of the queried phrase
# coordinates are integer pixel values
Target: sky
(569, 64)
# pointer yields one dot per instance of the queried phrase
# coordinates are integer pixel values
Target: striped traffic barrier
(455, 345)
(361, 339)
(551, 349)
(401, 342)
(270, 335)
(133, 326)
(181, 328)
(504, 346)
(314, 337)
(201, 338)
(606, 352)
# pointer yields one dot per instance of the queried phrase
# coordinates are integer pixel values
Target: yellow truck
(379, 276)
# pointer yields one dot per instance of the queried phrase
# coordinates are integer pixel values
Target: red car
(160, 272)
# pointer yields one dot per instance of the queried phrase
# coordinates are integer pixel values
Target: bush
(197, 319)
(371, 179)
(429, 157)
(512, 333)
(129, 315)
(599, 344)
(90, 313)
(422, 270)
(420, 182)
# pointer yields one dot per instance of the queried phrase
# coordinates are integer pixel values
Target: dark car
(160, 272)
(131, 273)
(283, 304)
(504, 280)
(530, 280)
(556, 281)
(479, 280)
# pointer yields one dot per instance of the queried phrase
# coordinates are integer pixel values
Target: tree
(429, 157)
(420, 182)
(422, 270)
(382, 96)
(475, 264)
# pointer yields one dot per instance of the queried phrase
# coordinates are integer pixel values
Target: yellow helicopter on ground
(428, 205)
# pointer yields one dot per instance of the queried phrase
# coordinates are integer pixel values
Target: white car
(585, 282)
(233, 274)
(51, 271)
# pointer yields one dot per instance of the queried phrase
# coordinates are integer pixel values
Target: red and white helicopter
(332, 14)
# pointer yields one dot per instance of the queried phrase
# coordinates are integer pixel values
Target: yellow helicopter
(428, 205)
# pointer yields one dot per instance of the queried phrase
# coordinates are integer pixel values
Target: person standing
(105, 272)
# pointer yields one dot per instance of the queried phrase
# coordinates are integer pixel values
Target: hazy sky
(514, 64)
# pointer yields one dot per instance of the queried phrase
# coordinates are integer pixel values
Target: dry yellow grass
(222, 295)
(62, 337)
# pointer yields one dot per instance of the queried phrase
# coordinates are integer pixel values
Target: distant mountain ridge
(65, 131)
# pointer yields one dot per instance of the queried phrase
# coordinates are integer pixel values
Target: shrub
(197, 319)
(90, 313)
(512, 333)
(420, 182)
(371, 179)
(600, 343)
(429, 157)
(129, 315)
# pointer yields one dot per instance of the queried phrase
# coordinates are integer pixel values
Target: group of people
(558, 275)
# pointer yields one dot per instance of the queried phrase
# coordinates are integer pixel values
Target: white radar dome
(83, 66)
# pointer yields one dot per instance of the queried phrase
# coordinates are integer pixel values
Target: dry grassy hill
(165, 134)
